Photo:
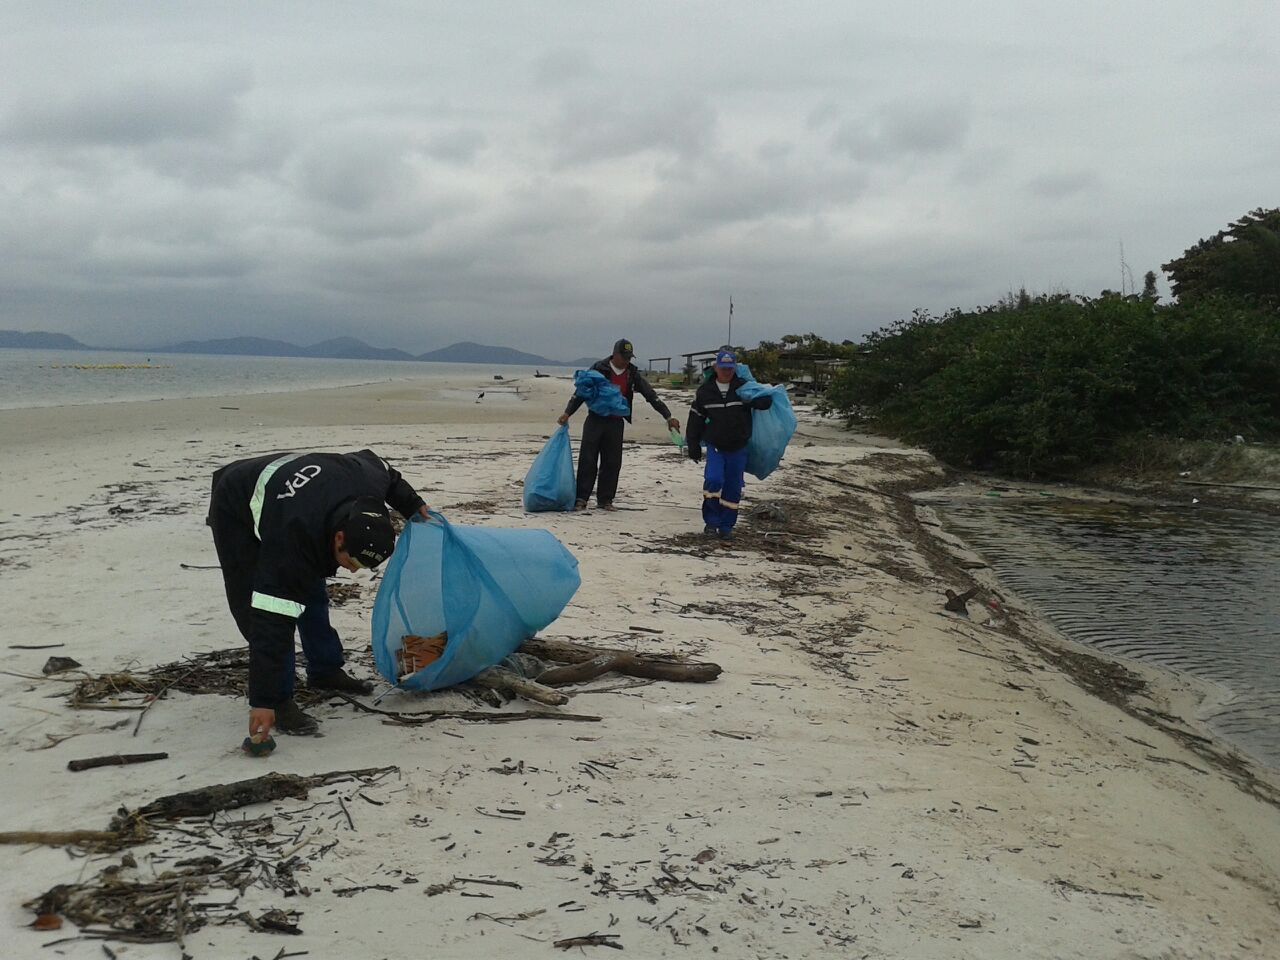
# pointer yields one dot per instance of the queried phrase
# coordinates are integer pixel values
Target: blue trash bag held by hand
(488, 589)
(549, 484)
(603, 397)
(770, 429)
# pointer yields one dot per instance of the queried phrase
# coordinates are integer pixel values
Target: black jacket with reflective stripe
(302, 506)
(634, 382)
(723, 421)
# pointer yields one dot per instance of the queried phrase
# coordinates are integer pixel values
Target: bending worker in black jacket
(282, 524)
(601, 447)
(723, 420)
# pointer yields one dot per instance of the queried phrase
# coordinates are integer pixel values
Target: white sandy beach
(870, 777)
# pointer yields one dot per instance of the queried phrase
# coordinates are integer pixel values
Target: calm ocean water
(53, 378)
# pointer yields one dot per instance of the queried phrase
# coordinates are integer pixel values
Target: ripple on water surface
(1194, 591)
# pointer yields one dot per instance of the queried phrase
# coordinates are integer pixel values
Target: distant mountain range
(340, 348)
(39, 340)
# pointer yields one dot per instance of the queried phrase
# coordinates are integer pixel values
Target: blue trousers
(320, 642)
(722, 487)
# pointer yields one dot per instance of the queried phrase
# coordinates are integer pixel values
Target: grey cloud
(359, 182)
(544, 207)
(352, 171)
(556, 68)
(1059, 186)
(906, 128)
(139, 110)
(608, 128)
(728, 190)
(460, 145)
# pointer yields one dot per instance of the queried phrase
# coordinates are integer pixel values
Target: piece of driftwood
(61, 838)
(124, 832)
(507, 681)
(647, 665)
(242, 793)
(114, 760)
(579, 672)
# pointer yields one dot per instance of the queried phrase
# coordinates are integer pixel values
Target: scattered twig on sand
(435, 889)
(156, 911)
(590, 940)
(151, 700)
(1077, 888)
(430, 716)
(508, 921)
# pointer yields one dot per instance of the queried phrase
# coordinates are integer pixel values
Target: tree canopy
(1241, 261)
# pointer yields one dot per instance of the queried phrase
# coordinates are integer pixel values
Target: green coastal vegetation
(1050, 385)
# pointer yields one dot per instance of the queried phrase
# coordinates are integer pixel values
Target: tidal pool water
(1193, 590)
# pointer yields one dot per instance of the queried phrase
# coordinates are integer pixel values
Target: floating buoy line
(110, 366)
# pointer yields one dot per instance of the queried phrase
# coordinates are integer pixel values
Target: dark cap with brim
(367, 534)
(623, 348)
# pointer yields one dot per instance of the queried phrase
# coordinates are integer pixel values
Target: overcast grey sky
(553, 175)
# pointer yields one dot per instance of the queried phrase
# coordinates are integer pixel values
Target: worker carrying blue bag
(726, 413)
(456, 599)
(549, 484)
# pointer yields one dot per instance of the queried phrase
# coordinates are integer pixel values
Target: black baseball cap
(367, 534)
(624, 348)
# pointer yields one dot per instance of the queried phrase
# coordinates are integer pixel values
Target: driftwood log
(230, 796)
(508, 681)
(593, 661)
(131, 827)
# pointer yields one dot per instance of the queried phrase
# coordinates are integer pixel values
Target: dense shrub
(1044, 385)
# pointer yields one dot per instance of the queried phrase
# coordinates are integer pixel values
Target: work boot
(340, 680)
(709, 531)
(606, 506)
(291, 720)
(579, 505)
(725, 535)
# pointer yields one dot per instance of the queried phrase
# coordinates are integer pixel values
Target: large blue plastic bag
(602, 395)
(490, 589)
(770, 429)
(549, 484)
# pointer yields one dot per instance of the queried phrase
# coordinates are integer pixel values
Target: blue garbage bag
(489, 589)
(602, 395)
(770, 429)
(549, 484)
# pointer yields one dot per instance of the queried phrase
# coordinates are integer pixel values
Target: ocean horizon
(57, 378)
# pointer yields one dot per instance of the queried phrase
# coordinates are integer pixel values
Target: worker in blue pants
(721, 419)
